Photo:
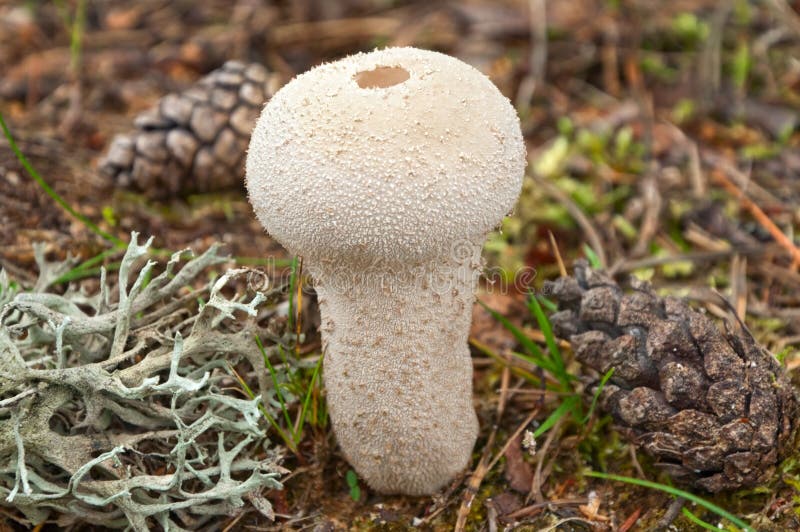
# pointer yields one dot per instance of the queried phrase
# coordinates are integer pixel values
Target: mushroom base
(398, 373)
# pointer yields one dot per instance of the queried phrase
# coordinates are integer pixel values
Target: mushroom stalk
(398, 372)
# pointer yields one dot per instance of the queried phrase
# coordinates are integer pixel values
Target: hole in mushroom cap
(381, 77)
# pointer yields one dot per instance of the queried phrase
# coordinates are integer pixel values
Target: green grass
(76, 26)
(721, 512)
(550, 360)
(596, 395)
(696, 520)
(592, 257)
(297, 390)
(117, 242)
(293, 385)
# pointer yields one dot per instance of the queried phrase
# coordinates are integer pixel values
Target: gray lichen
(118, 407)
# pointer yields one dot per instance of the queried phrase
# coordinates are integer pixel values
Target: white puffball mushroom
(385, 171)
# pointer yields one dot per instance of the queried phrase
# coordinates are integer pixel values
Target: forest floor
(663, 139)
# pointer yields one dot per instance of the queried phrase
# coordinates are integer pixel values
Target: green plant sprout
(551, 361)
(76, 26)
(352, 482)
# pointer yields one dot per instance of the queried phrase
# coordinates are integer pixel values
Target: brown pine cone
(715, 409)
(195, 140)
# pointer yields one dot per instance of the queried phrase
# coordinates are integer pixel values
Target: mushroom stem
(398, 372)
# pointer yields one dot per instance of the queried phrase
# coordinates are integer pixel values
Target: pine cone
(193, 141)
(715, 409)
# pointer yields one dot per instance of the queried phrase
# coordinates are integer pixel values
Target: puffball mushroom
(385, 171)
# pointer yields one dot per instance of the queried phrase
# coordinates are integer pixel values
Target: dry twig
(575, 211)
(760, 216)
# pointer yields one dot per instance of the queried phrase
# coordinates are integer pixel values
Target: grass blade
(597, 393)
(567, 405)
(534, 354)
(519, 372)
(307, 400)
(696, 520)
(273, 374)
(535, 308)
(591, 256)
(247, 390)
(677, 493)
(52, 193)
(546, 303)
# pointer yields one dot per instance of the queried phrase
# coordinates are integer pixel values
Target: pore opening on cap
(381, 77)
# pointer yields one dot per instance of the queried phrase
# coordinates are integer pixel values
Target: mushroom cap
(390, 155)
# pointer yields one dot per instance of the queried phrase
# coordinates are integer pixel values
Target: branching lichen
(117, 408)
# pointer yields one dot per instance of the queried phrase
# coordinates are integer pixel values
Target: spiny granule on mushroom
(117, 408)
(714, 408)
(195, 140)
